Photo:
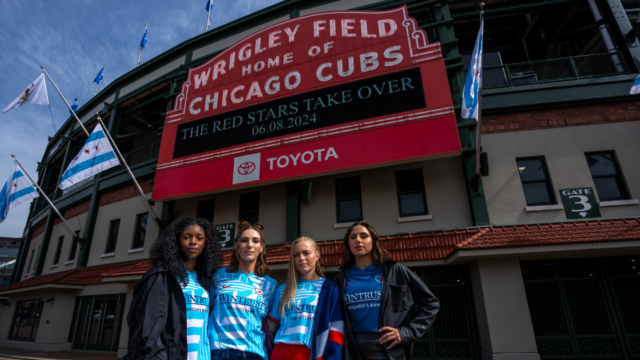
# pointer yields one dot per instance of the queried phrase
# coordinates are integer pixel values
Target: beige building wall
(64, 264)
(29, 265)
(446, 194)
(564, 151)
(127, 211)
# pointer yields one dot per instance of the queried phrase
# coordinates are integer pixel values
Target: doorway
(97, 323)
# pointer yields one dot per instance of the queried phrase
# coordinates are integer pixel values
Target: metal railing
(545, 71)
(138, 156)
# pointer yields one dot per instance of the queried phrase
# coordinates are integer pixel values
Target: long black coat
(406, 304)
(157, 318)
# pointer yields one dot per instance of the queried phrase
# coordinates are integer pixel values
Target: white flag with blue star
(472, 86)
(16, 190)
(635, 87)
(96, 155)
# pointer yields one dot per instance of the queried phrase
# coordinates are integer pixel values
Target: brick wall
(559, 117)
(125, 193)
(38, 230)
(74, 211)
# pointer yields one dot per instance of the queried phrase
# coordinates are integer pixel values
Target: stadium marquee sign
(318, 93)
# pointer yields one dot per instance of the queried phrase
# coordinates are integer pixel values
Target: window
(141, 231)
(31, 260)
(26, 320)
(250, 207)
(411, 196)
(56, 259)
(8, 253)
(205, 209)
(113, 236)
(74, 247)
(535, 182)
(606, 176)
(348, 199)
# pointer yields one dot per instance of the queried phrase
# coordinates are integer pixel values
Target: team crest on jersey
(379, 279)
(260, 292)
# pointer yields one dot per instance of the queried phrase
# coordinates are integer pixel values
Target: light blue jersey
(240, 302)
(197, 300)
(296, 321)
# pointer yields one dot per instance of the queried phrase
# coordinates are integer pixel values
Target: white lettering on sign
(368, 62)
(306, 157)
(577, 192)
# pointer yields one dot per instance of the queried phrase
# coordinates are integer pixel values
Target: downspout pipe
(606, 36)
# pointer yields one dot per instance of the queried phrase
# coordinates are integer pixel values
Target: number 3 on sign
(225, 236)
(584, 202)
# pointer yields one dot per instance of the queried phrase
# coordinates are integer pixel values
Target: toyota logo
(246, 168)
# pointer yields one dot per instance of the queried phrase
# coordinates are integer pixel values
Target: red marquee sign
(319, 93)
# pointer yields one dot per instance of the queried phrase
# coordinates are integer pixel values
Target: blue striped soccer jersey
(240, 302)
(197, 300)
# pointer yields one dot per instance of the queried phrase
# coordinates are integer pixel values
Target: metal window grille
(606, 176)
(412, 200)
(585, 308)
(535, 181)
(348, 200)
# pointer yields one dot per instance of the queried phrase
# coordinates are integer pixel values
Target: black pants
(370, 347)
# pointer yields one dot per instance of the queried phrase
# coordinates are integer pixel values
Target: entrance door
(99, 322)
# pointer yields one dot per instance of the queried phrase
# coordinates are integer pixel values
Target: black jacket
(406, 304)
(157, 318)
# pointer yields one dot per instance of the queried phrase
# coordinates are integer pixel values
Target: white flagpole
(140, 53)
(208, 14)
(52, 122)
(479, 125)
(95, 92)
(73, 234)
(124, 164)
(65, 101)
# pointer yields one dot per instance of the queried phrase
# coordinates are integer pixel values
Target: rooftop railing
(547, 71)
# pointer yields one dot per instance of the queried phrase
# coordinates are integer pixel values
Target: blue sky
(71, 39)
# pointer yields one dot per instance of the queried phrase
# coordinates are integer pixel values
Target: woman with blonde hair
(306, 315)
(241, 296)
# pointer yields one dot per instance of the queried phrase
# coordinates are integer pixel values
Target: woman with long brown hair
(387, 306)
(241, 296)
(306, 312)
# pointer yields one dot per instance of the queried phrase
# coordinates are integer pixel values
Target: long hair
(378, 253)
(262, 268)
(166, 252)
(292, 275)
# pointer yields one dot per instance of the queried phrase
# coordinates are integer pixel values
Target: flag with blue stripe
(635, 87)
(472, 86)
(143, 42)
(209, 5)
(99, 77)
(96, 155)
(74, 106)
(15, 191)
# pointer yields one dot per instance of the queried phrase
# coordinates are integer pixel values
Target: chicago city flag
(16, 190)
(36, 93)
(96, 155)
(473, 84)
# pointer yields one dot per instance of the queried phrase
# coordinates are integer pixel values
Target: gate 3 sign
(319, 93)
(580, 203)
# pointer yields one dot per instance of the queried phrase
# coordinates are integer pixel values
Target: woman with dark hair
(242, 295)
(170, 306)
(387, 306)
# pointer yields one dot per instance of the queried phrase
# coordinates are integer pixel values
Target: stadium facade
(536, 260)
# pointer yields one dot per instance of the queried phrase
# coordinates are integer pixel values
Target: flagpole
(140, 53)
(124, 164)
(52, 122)
(73, 233)
(208, 14)
(65, 101)
(479, 125)
(98, 84)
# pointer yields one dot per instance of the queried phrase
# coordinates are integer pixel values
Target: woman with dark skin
(170, 306)
(398, 308)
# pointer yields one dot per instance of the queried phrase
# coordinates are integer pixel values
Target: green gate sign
(226, 233)
(580, 203)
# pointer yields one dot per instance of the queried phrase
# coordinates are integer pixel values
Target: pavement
(7, 353)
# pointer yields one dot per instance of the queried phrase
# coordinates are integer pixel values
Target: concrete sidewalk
(7, 353)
